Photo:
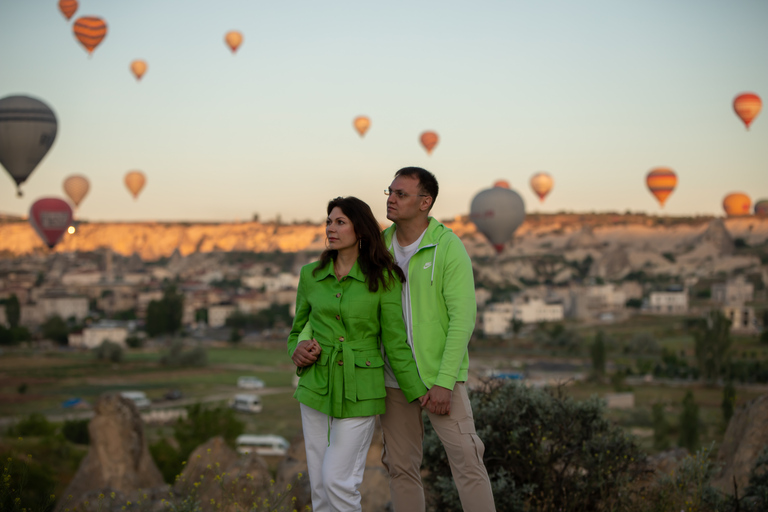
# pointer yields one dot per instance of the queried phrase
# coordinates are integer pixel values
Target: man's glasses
(400, 194)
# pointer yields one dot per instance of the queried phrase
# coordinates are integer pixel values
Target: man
(439, 308)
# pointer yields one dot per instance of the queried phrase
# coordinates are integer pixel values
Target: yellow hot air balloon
(233, 39)
(736, 204)
(542, 183)
(661, 181)
(76, 187)
(362, 123)
(138, 68)
(135, 181)
(429, 140)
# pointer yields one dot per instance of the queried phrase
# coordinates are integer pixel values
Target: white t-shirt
(403, 256)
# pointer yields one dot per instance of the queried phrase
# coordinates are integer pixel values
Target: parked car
(262, 445)
(250, 382)
(246, 403)
(139, 398)
(173, 394)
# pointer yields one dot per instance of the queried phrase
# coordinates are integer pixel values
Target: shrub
(756, 493)
(26, 485)
(689, 423)
(76, 431)
(34, 425)
(543, 451)
(134, 342)
(660, 427)
(109, 351)
(56, 329)
(177, 356)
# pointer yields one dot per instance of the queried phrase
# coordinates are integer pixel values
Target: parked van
(262, 445)
(246, 403)
(139, 398)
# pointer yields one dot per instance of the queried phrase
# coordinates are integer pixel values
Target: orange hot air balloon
(76, 187)
(234, 39)
(542, 183)
(661, 182)
(736, 204)
(138, 68)
(68, 7)
(429, 140)
(362, 123)
(501, 184)
(90, 31)
(747, 105)
(135, 181)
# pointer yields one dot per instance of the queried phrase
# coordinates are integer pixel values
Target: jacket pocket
(369, 375)
(315, 376)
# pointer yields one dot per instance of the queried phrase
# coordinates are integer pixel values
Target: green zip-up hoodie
(443, 307)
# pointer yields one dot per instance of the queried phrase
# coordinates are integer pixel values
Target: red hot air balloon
(50, 217)
(747, 105)
(429, 140)
(661, 181)
(233, 39)
(737, 204)
(68, 8)
(90, 31)
(501, 184)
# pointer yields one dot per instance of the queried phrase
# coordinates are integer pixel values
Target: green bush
(177, 356)
(109, 351)
(134, 342)
(27, 485)
(543, 451)
(34, 425)
(76, 431)
(756, 493)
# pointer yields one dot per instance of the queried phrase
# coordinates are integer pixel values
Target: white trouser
(336, 470)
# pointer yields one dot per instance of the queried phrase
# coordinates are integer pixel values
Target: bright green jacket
(443, 306)
(351, 323)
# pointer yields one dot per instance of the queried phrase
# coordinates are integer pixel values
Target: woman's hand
(306, 353)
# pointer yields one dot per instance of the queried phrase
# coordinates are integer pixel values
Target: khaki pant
(403, 432)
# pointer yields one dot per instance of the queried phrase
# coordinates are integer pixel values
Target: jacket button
(338, 317)
(338, 295)
(367, 363)
(341, 338)
(341, 363)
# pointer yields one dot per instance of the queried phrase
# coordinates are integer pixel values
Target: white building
(218, 314)
(269, 284)
(733, 292)
(497, 318)
(742, 318)
(63, 306)
(94, 335)
(668, 303)
(81, 278)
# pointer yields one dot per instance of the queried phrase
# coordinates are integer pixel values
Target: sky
(595, 93)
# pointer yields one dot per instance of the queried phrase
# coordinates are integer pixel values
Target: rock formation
(118, 458)
(718, 236)
(583, 239)
(745, 438)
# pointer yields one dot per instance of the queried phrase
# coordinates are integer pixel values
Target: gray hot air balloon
(27, 131)
(497, 212)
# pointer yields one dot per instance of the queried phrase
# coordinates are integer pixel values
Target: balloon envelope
(661, 181)
(542, 183)
(233, 39)
(501, 184)
(736, 204)
(68, 7)
(135, 181)
(90, 31)
(761, 208)
(50, 217)
(76, 187)
(27, 131)
(362, 123)
(138, 68)
(429, 140)
(497, 212)
(747, 105)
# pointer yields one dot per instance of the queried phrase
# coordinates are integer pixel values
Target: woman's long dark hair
(376, 262)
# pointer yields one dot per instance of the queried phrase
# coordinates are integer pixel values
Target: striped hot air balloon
(661, 182)
(747, 105)
(736, 204)
(362, 123)
(76, 187)
(761, 208)
(429, 140)
(68, 8)
(90, 31)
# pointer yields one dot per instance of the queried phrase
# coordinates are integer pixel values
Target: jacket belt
(347, 350)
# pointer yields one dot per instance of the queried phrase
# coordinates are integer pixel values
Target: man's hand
(437, 400)
(306, 353)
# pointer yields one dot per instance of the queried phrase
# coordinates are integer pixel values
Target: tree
(729, 400)
(597, 351)
(660, 427)
(515, 324)
(12, 311)
(164, 315)
(713, 341)
(56, 329)
(689, 423)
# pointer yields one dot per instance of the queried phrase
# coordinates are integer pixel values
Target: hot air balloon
(27, 131)
(76, 187)
(90, 31)
(429, 140)
(497, 212)
(362, 123)
(542, 183)
(51, 217)
(501, 184)
(661, 182)
(761, 208)
(138, 68)
(736, 204)
(68, 7)
(134, 181)
(233, 39)
(747, 105)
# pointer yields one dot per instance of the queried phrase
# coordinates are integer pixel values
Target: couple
(381, 328)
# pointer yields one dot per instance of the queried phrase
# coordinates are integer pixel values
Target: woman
(350, 303)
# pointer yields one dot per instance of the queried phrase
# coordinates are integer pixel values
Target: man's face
(406, 200)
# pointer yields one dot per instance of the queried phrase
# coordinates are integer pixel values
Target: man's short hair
(427, 181)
